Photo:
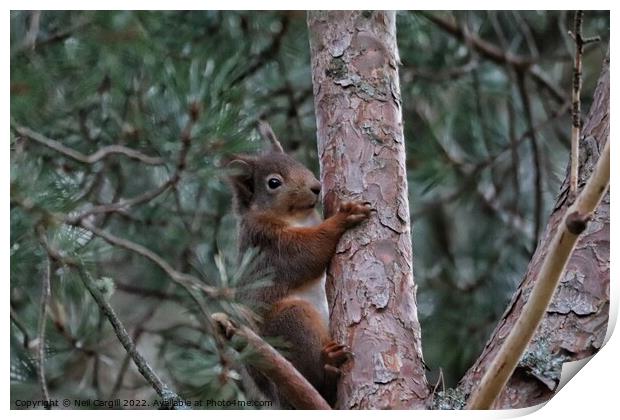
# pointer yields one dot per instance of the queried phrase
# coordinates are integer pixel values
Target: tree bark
(370, 285)
(576, 321)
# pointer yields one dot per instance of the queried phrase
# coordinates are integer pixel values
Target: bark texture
(370, 285)
(576, 321)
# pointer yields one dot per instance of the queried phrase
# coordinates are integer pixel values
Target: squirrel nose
(316, 189)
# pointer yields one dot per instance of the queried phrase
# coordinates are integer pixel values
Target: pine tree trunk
(362, 154)
(575, 324)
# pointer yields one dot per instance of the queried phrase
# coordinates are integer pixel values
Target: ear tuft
(241, 177)
(267, 133)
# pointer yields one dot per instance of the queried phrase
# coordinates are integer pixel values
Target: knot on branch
(577, 222)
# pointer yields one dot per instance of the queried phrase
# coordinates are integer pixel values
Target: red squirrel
(274, 199)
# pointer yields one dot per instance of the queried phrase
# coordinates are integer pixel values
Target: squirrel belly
(313, 291)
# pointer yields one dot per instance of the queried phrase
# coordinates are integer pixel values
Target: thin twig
(576, 110)
(45, 297)
(514, 154)
(97, 360)
(447, 74)
(149, 293)
(536, 163)
(573, 224)
(580, 42)
(118, 383)
(291, 384)
(512, 133)
(88, 159)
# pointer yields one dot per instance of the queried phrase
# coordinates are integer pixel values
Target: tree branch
(293, 385)
(89, 159)
(559, 252)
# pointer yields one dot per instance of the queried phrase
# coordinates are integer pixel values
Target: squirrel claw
(354, 212)
(335, 354)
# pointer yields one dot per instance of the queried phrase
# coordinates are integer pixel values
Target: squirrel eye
(274, 183)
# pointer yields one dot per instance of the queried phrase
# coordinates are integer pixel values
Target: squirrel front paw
(353, 212)
(333, 356)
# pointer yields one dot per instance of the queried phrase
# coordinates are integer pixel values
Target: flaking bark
(370, 285)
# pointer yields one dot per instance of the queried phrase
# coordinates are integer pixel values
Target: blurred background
(487, 137)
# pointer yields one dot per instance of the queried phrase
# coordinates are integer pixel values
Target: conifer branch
(573, 224)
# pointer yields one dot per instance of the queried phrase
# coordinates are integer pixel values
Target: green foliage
(151, 81)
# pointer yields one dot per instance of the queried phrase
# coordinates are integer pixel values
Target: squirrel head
(272, 182)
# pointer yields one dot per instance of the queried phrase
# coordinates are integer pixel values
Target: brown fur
(294, 256)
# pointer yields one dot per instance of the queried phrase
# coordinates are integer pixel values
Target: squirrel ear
(241, 177)
(265, 130)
